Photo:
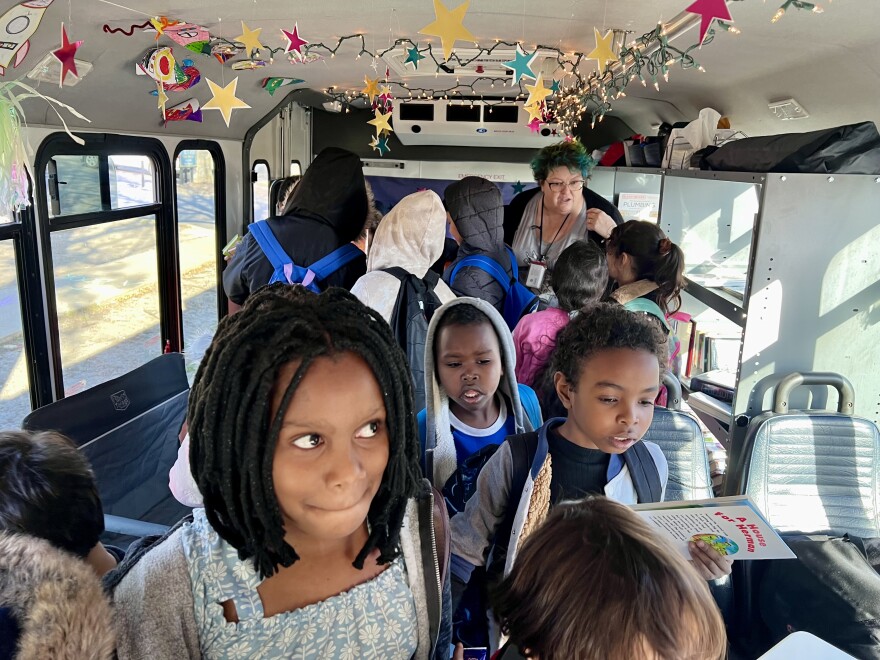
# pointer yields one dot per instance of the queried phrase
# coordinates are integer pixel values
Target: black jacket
(513, 212)
(477, 209)
(328, 210)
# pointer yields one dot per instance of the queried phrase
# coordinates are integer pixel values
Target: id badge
(537, 272)
(476, 653)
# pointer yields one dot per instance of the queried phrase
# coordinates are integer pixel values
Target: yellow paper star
(372, 88)
(535, 112)
(385, 91)
(163, 97)
(250, 38)
(537, 92)
(380, 121)
(224, 99)
(448, 25)
(602, 53)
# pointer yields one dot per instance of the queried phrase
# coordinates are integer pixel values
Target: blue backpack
(287, 271)
(518, 299)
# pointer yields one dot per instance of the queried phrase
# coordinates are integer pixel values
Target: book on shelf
(732, 525)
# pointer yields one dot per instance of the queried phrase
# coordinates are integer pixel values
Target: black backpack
(415, 305)
(831, 590)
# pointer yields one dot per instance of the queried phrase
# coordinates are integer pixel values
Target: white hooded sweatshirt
(411, 237)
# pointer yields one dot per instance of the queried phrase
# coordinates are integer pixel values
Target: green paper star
(413, 56)
(522, 65)
(382, 146)
(518, 187)
(555, 86)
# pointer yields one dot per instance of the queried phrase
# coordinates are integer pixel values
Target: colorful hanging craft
(17, 26)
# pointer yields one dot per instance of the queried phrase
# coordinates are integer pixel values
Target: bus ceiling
(320, 54)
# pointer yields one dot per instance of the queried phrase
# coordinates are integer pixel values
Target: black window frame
(105, 145)
(261, 161)
(219, 209)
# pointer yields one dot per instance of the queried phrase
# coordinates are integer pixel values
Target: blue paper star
(555, 86)
(382, 146)
(413, 56)
(518, 187)
(522, 65)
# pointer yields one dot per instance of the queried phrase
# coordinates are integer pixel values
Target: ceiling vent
(468, 124)
(479, 63)
(788, 109)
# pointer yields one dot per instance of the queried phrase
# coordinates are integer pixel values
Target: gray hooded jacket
(477, 209)
(440, 457)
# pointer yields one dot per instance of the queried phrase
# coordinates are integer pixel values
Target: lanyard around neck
(540, 228)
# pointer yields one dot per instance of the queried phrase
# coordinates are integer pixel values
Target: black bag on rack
(853, 149)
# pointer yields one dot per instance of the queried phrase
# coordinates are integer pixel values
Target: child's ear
(563, 389)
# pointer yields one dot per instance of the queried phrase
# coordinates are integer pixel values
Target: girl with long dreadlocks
(317, 536)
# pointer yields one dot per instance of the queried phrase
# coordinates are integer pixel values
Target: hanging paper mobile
(250, 38)
(65, 55)
(709, 10)
(537, 92)
(17, 26)
(449, 26)
(294, 41)
(521, 65)
(413, 56)
(186, 111)
(380, 121)
(224, 99)
(603, 52)
(271, 84)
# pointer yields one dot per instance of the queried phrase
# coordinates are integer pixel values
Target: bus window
(260, 178)
(15, 400)
(131, 181)
(197, 231)
(73, 185)
(107, 299)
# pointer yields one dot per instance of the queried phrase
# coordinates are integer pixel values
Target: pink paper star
(709, 10)
(66, 54)
(534, 125)
(293, 40)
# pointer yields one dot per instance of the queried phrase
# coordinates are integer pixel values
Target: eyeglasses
(573, 186)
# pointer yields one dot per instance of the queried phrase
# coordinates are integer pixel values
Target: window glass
(15, 401)
(197, 233)
(131, 181)
(106, 292)
(73, 185)
(261, 191)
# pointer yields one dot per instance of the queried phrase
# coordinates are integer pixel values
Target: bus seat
(127, 427)
(812, 471)
(809, 472)
(679, 436)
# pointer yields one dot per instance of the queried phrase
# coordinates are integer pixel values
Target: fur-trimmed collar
(57, 601)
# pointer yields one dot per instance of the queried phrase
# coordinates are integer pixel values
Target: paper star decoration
(380, 121)
(372, 88)
(294, 42)
(537, 92)
(448, 25)
(374, 142)
(534, 125)
(382, 146)
(163, 97)
(224, 99)
(522, 65)
(413, 56)
(554, 87)
(602, 53)
(250, 38)
(518, 187)
(535, 111)
(709, 10)
(66, 55)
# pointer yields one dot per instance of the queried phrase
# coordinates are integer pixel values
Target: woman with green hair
(560, 211)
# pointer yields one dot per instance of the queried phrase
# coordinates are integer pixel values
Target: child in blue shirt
(473, 399)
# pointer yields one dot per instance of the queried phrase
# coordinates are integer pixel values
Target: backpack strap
(485, 264)
(644, 474)
(514, 268)
(523, 448)
(648, 306)
(281, 262)
(442, 540)
(329, 264)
